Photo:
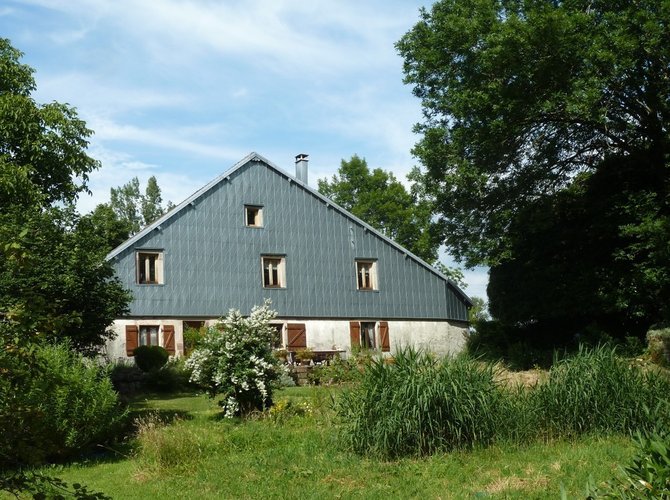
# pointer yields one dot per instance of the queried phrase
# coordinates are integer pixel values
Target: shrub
(658, 346)
(150, 357)
(235, 361)
(192, 339)
(419, 405)
(53, 404)
(173, 377)
(596, 390)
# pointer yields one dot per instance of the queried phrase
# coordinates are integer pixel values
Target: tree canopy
(54, 281)
(545, 150)
(378, 198)
(134, 209)
(520, 96)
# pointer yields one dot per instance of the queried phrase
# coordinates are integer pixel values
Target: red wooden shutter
(355, 333)
(168, 339)
(384, 336)
(131, 339)
(297, 336)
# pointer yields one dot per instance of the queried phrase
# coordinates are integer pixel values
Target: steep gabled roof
(255, 157)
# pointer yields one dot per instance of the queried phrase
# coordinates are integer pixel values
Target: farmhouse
(256, 233)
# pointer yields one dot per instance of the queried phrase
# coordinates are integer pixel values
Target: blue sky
(183, 89)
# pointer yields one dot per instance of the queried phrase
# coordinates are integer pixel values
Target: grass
(301, 457)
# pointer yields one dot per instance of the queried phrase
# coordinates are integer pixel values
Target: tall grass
(597, 391)
(421, 405)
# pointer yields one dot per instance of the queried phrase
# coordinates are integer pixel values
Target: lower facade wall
(440, 337)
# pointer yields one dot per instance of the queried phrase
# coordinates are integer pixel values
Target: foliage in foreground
(648, 476)
(420, 405)
(234, 360)
(53, 404)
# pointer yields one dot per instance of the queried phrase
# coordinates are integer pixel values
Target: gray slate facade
(212, 259)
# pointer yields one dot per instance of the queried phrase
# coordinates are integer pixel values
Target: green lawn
(198, 455)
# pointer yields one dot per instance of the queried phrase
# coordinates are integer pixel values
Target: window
(366, 274)
(148, 335)
(368, 339)
(370, 335)
(253, 216)
(274, 269)
(150, 268)
(278, 336)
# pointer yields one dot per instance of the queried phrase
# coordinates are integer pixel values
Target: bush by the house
(53, 404)
(173, 377)
(150, 357)
(234, 361)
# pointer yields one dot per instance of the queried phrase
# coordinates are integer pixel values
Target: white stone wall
(440, 337)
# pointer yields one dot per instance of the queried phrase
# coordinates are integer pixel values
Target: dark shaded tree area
(544, 147)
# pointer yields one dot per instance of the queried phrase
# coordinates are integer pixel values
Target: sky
(184, 89)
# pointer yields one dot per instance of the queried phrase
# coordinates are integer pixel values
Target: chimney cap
(302, 157)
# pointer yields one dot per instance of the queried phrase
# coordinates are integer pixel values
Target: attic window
(253, 216)
(366, 274)
(149, 268)
(274, 272)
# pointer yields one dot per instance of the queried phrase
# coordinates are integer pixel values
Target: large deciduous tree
(525, 101)
(379, 199)
(54, 282)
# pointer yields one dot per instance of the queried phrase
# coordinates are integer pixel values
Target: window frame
(141, 255)
(280, 272)
(371, 273)
(258, 217)
(145, 330)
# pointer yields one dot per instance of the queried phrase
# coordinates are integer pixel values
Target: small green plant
(284, 409)
(235, 362)
(658, 346)
(648, 476)
(281, 355)
(192, 339)
(166, 448)
(150, 357)
(304, 355)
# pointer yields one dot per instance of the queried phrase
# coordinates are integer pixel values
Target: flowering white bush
(234, 360)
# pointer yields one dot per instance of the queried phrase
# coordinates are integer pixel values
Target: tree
(530, 109)
(520, 96)
(109, 226)
(379, 199)
(138, 210)
(54, 282)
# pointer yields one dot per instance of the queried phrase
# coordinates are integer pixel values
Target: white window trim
(281, 271)
(158, 267)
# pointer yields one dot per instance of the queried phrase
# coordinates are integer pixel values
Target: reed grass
(421, 405)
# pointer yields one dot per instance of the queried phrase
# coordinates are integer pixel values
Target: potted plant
(305, 356)
(281, 355)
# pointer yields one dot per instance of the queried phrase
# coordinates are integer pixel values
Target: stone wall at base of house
(440, 337)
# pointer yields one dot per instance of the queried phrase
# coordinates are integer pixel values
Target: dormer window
(253, 216)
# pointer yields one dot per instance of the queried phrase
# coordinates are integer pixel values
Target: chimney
(301, 167)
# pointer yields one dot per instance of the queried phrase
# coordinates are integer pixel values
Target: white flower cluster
(235, 360)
